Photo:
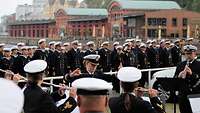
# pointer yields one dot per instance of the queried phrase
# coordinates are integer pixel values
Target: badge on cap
(190, 48)
(92, 58)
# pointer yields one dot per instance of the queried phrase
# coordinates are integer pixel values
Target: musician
(130, 101)
(11, 97)
(92, 98)
(90, 62)
(38, 101)
(188, 70)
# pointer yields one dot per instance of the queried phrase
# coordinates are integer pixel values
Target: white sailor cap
(162, 41)
(20, 44)
(132, 39)
(138, 40)
(142, 45)
(190, 39)
(128, 40)
(92, 86)
(153, 41)
(167, 42)
(105, 43)
(66, 44)
(119, 47)
(90, 43)
(115, 43)
(35, 66)
(172, 44)
(92, 58)
(129, 74)
(52, 43)
(75, 42)
(11, 96)
(24, 48)
(79, 44)
(148, 41)
(125, 44)
(2, 44)
(177, 40)
(58, 44)
(14, 48)
(6, 49)
(41, 40)
(190, 48)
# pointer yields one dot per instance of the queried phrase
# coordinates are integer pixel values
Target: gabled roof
(86, 11)
(148, 4)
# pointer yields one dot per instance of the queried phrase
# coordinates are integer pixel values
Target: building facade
(122, 19)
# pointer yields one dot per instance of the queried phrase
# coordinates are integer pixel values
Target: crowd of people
(63, 58)
(84, 68)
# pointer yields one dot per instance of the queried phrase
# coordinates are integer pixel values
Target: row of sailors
(63, 58)
(92, 89)
(88, 94)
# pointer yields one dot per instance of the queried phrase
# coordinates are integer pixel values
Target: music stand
(194, 102)
(172, 85)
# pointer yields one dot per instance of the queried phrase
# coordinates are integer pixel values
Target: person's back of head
(92, 94)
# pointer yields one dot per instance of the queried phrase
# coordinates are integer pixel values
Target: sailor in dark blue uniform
(92, 98)
(190, 72)
(91, 48)
(6, 62)
(129, 102)
(38, 101)
(41, 53)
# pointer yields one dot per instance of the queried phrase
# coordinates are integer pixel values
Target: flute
(45, 83)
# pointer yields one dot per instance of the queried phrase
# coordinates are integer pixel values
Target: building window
(29, 33)
(184, 33)
(38, 33)
(47, 33)
(185, 21)
(33, 33)
(164, 22)
(174, 22)
(152, 33)
(157, 21)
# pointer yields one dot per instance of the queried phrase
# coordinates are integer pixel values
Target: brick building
(123, 18)
(147, 18)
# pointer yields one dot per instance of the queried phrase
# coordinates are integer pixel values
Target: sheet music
(195, 102)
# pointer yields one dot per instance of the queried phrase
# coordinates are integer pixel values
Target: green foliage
(185, 4)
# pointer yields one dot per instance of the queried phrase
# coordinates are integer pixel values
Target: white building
(23, 11)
